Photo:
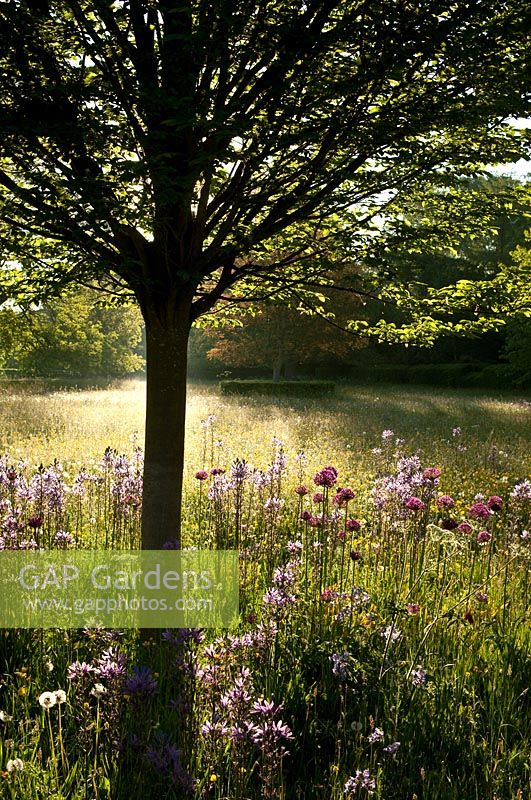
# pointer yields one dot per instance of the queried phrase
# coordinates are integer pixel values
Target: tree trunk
(166, 362)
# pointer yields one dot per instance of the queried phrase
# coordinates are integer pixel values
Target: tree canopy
(155, 143)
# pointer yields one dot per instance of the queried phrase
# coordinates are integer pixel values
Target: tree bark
(166, 362)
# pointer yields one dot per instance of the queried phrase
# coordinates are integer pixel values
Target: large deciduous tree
(175, 149)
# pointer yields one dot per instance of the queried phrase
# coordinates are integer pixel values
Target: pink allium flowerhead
(479, 511)
(415, 504)
(482, 597)
(306, 516)
(341, 535)
(301, 490)
(413, 609)
(318, 497)
(327, 595)
(313, 522)
(431, 473)
(217, 471)
(201, 475)
(326, 477)
(445, 501)
(353, 525)
(465, 527)
(483, 537)
(343, 496)
(495, 503)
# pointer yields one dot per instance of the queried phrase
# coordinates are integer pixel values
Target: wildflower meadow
(383, 648)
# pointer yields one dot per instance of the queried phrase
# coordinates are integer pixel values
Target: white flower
(47, 699)
(98, 690)
(60, 696)
(50, 666)
(5, 717)
(15, 765)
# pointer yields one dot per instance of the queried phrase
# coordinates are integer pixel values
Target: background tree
(168, 149)
(284, 340)
(73, 334)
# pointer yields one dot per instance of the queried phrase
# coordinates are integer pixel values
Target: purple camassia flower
(340, 665)
(399, 487)
(391, 748)
(391, 634)
(376, 736)
(274, 504)
(284, 577)
(219, 488)
(483, 537)
(479, 511)
(22, 488)
(294, 547)
(201, 475)
(445, 501)
(239, 471)
(522, 491)
(179, 636)
(326, 477)
(79, 670)
(343, 497)
(261, 479)
(265, 708)
(415, 504)
(361, 780)
(215, 729)
(165, 758)
(302, 490)
(111, 664)
(388, 434)
(418, 676)
(278, 597)
(171, 544)
(456, 432)
(28, 544)
(270, 736)
(78, 485)
(63, 539)
(279, 464)
(140, 682)
(495, 503)
(48, 486)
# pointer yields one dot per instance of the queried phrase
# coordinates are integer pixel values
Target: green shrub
(285, 388)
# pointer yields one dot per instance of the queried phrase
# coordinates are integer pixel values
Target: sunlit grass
(79, 425)
(452, 690)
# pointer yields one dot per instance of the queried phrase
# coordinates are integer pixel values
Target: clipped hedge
(278, 388)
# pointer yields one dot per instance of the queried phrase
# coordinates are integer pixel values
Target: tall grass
(384, 644)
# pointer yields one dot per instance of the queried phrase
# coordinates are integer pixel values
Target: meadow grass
(384, 645)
